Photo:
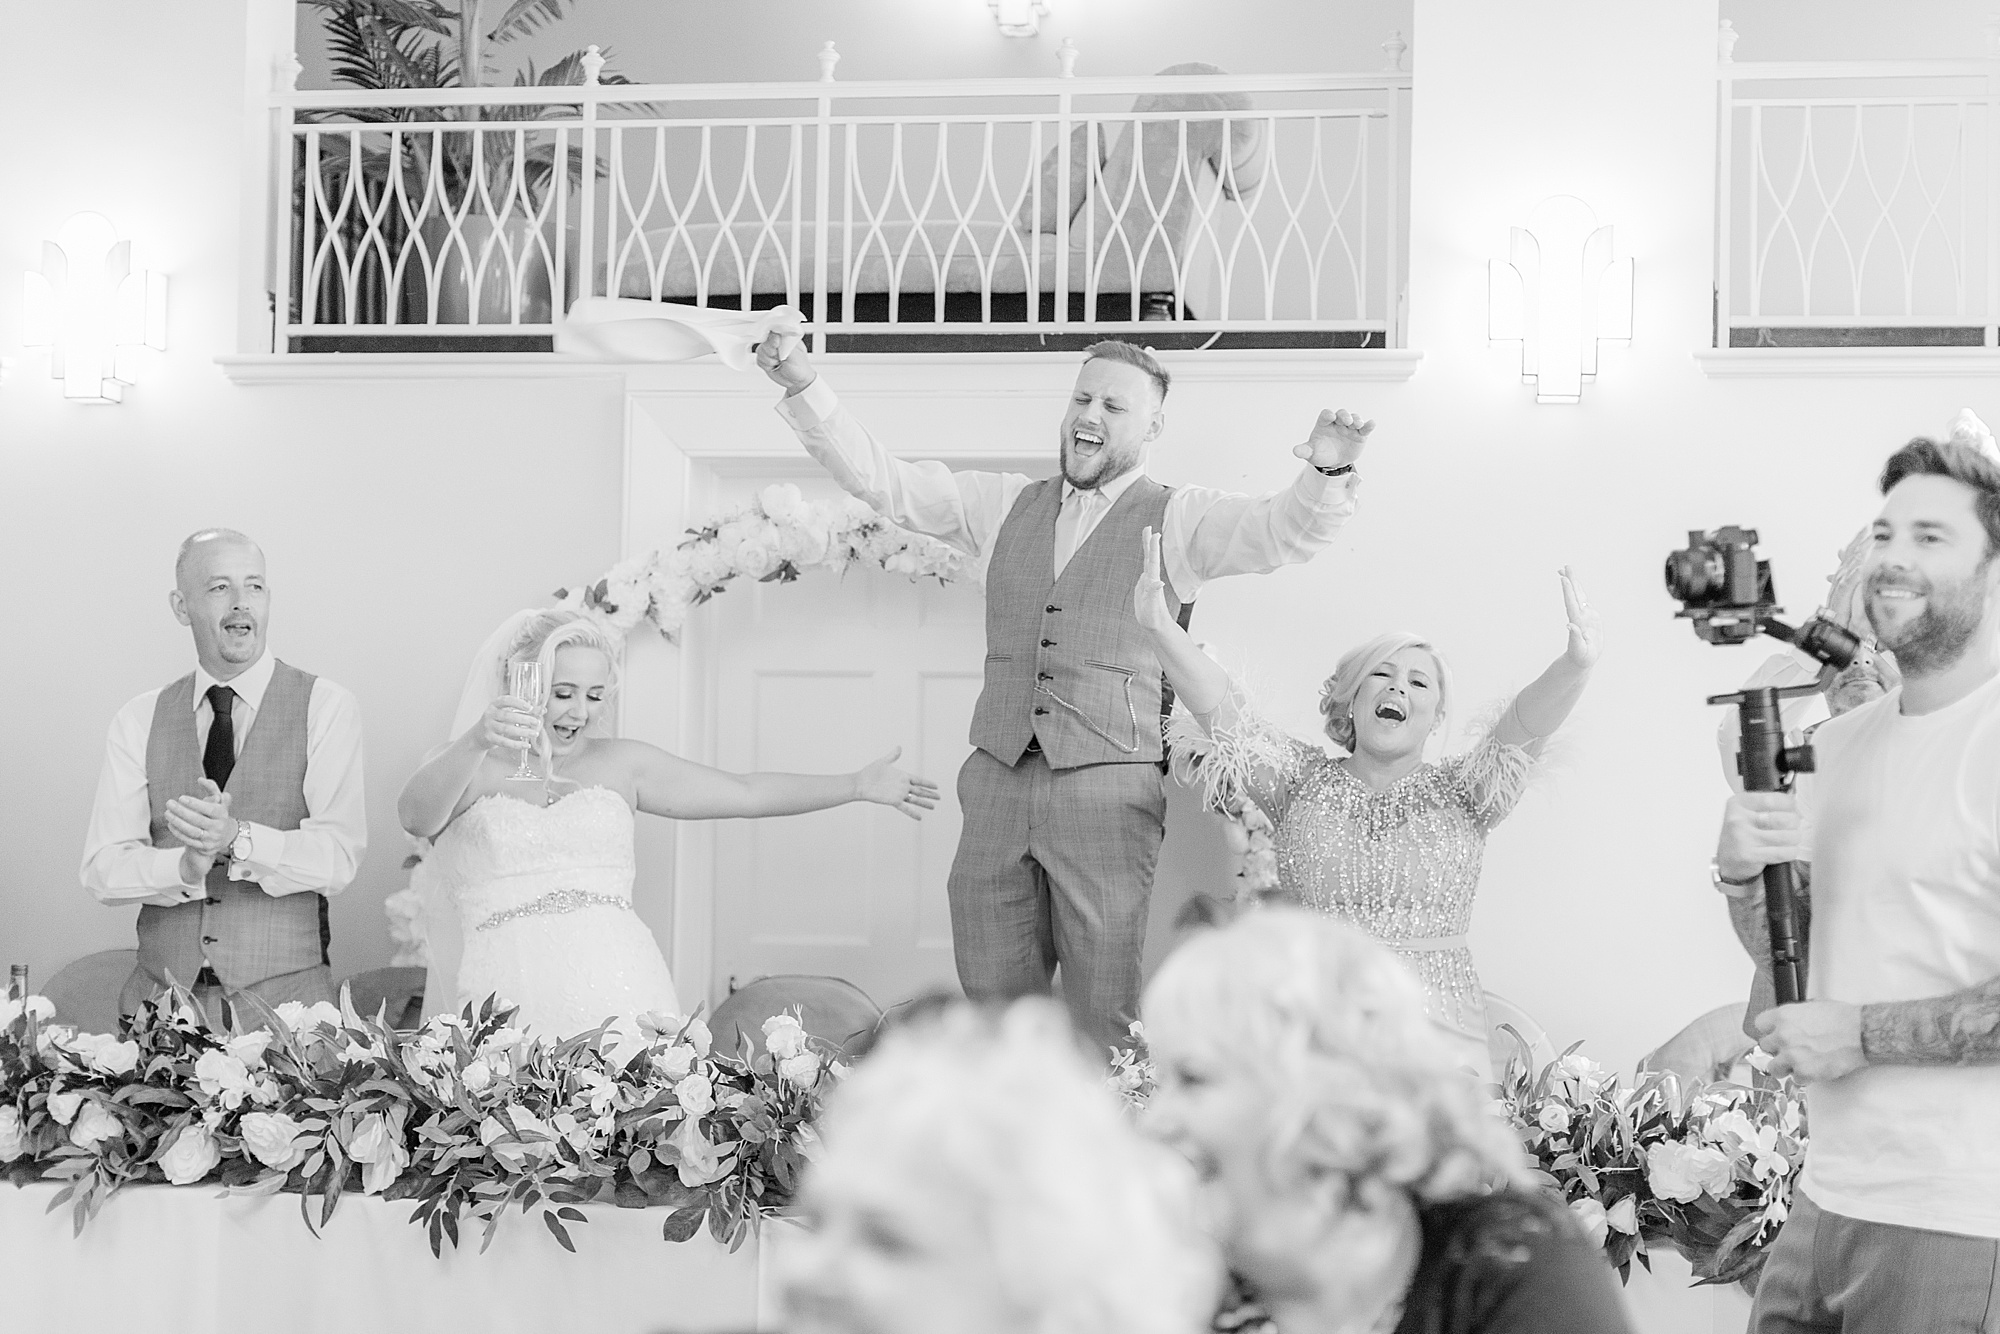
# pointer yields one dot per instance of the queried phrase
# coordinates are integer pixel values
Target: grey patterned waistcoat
(239, 930)
(1066, 661)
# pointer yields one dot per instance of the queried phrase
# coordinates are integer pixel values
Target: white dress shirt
(120, 863)
(1205, 534)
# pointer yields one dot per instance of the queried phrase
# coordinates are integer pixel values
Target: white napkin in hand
(624, 329)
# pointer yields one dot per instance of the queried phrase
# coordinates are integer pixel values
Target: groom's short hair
(205, 535)
(1962, 464)
(1117, 349)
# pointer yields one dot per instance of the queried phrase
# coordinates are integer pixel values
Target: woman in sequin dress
(538, 874)
(1377, 835)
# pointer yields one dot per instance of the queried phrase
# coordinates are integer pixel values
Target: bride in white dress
(531, 882)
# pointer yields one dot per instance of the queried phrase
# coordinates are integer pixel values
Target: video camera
(1726, 591)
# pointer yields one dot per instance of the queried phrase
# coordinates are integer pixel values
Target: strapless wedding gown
(544, 900)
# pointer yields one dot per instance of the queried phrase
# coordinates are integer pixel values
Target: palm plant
(441, 175)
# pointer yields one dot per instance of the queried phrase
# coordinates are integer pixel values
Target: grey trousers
(1834, 1273)
(306, 986)
(1056, 869)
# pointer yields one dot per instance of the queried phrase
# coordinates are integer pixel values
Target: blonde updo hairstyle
(548, 632)
(1336, 696)
(1329, 1027)
(1086, 1225)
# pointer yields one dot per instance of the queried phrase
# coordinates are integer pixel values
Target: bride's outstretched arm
(438, 789)
(1545, 702)
(670, 785)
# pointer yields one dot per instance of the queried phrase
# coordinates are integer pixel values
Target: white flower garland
(774, 539)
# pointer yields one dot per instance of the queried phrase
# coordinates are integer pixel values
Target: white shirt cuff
(1333, 492)
(809, 407)
(267, 847)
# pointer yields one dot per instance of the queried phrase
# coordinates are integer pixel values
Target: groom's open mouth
(239, 629)
(1086, 443)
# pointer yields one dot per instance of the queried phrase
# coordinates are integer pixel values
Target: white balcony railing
(1265, 206)
(1858, 203)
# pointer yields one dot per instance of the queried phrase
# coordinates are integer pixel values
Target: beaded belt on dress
(1430, 943)
(556, 901)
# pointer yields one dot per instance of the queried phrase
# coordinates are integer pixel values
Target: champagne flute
(524, 682)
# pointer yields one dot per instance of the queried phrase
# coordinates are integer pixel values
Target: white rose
(298, 1015)
(39, 1006)
(249, 1047)
(1624, 1215)
(377, 1144)
(781, 503)
(192, 1156)
(500, 1040)
(696, 1095)
(224, 1077)
(1591, 1214)
(757, 558)
(477, 1077)
(1580, 1067)
(1682, 1171)
(784, 1037)
(13, 1140)
(675, 1062)
(115, 1058)
(64, 1106)
(1554, 1118)
(801, 1071)
(94, 1124)
(273, 1139)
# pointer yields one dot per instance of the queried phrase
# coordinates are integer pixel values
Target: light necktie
(1078, 519)
(219, 758)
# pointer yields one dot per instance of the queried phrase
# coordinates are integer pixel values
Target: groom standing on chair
(1063, 797)
(230, 802)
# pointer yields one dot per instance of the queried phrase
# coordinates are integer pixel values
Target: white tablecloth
(1662, 1302)
(173, 1259)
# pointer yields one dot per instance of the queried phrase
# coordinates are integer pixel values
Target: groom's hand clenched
(782, 357)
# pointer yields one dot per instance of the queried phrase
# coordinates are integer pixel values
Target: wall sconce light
(93, 309)
(1019, 18)
(1558, 293)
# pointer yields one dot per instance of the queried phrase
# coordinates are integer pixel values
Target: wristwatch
(1341, 471)
(239, 847)
(1733, 888)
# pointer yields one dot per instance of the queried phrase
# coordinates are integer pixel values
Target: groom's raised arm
(962, 508)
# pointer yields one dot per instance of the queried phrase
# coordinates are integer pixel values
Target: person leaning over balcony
(1895, 1224)
(230, 805)
(1063, 796)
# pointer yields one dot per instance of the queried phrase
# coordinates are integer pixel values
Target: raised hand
(1149, 595)
(886, 785)
(782, 355)
(509, 723)
(1843, 596)
(202, 823)
(1586, 631)
(1337, 439)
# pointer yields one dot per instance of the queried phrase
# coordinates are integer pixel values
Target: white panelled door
(822, 676)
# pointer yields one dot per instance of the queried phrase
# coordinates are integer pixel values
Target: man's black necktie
(220, 756)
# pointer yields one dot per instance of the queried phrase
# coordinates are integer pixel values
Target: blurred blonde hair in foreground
(978, 1175)
(1331, 1027)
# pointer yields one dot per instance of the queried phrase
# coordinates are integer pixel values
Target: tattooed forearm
(1960, 1029)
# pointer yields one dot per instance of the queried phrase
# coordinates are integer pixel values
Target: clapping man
(230, 802)
(1063, 795)
(1895, 1225)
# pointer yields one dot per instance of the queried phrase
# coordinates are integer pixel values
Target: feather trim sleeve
(1493, 775)
(1248, 760)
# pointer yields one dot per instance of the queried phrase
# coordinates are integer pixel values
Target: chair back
(829, 1008)
(85, 993)
(1501, 1015)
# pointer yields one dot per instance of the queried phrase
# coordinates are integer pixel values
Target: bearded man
(1895, 1223)
(1063, 795)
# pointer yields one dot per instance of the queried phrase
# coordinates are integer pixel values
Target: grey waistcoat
(239, 930)
(1066, 660)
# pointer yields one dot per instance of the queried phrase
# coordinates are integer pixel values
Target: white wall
(1859, 29)
(401, 521)
(700, 41)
